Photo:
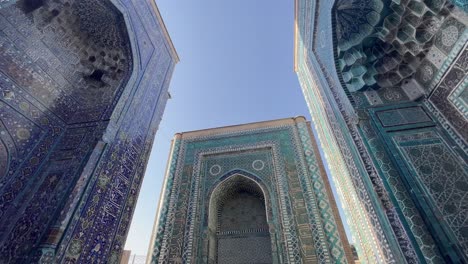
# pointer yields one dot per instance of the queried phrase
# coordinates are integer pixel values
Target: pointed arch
(238, 221)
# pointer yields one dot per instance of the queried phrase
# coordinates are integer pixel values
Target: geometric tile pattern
(333, 116)
(370, 70)
(252, 249)
(237, 223)
(385, 55)
(443, 176)
(83, 86)
(303, 222)
(408, 208)
(459, 98)
(319, 188)
(453, 110)
(402, 116)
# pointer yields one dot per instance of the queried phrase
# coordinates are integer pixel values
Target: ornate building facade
(253, 193)
(386, 83)
(83, 86)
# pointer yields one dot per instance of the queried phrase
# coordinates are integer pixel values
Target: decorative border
(378, 193)
(318, 207)
(289, 232)
(454, 97)
(336, 248)
(162, 214)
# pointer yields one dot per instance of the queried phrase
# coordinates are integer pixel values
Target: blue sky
(236, 66)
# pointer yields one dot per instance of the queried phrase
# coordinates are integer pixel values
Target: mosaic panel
(254, 250)
(239, 218)
(113, 194)
(449, 33)
(370, 190)
(286, 211)
(443, 175)
(323, 116)
(242, 212)
(162, 213)
(82, 76)
(319, 186)
(293, 205)
(459, 98)
(67, 73)
(441, 95)
(382, 44)
(409, 210)
(402, 116)
(54, 180)
(337, 110)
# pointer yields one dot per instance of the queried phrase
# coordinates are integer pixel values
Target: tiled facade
(83, 86)
(275, 169)
(384, 83)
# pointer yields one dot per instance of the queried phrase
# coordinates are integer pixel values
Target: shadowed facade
(83, 86)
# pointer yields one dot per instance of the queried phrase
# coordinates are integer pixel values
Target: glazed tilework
(63, 60)
(79, 107)
(365, 243)
(382, 45)
(355, 111)
(370, 244)
(332, 119)
(238, 220)
(459, 98)
(252, 249)
(443, 176)
(402, 116)
(391, 175)
(406, 177)
(302, 223)
(454, 79)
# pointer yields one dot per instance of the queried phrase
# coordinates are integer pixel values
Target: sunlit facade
(385, 84)
(251, 193)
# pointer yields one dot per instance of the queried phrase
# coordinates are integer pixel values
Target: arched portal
(238, 225)
(64, 66)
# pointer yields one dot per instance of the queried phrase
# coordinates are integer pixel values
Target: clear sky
(236, 66)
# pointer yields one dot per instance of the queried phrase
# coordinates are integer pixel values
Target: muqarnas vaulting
(83, 86)
(386, 84)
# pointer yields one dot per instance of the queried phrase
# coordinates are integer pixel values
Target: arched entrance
(238, 225)
(70, 61)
